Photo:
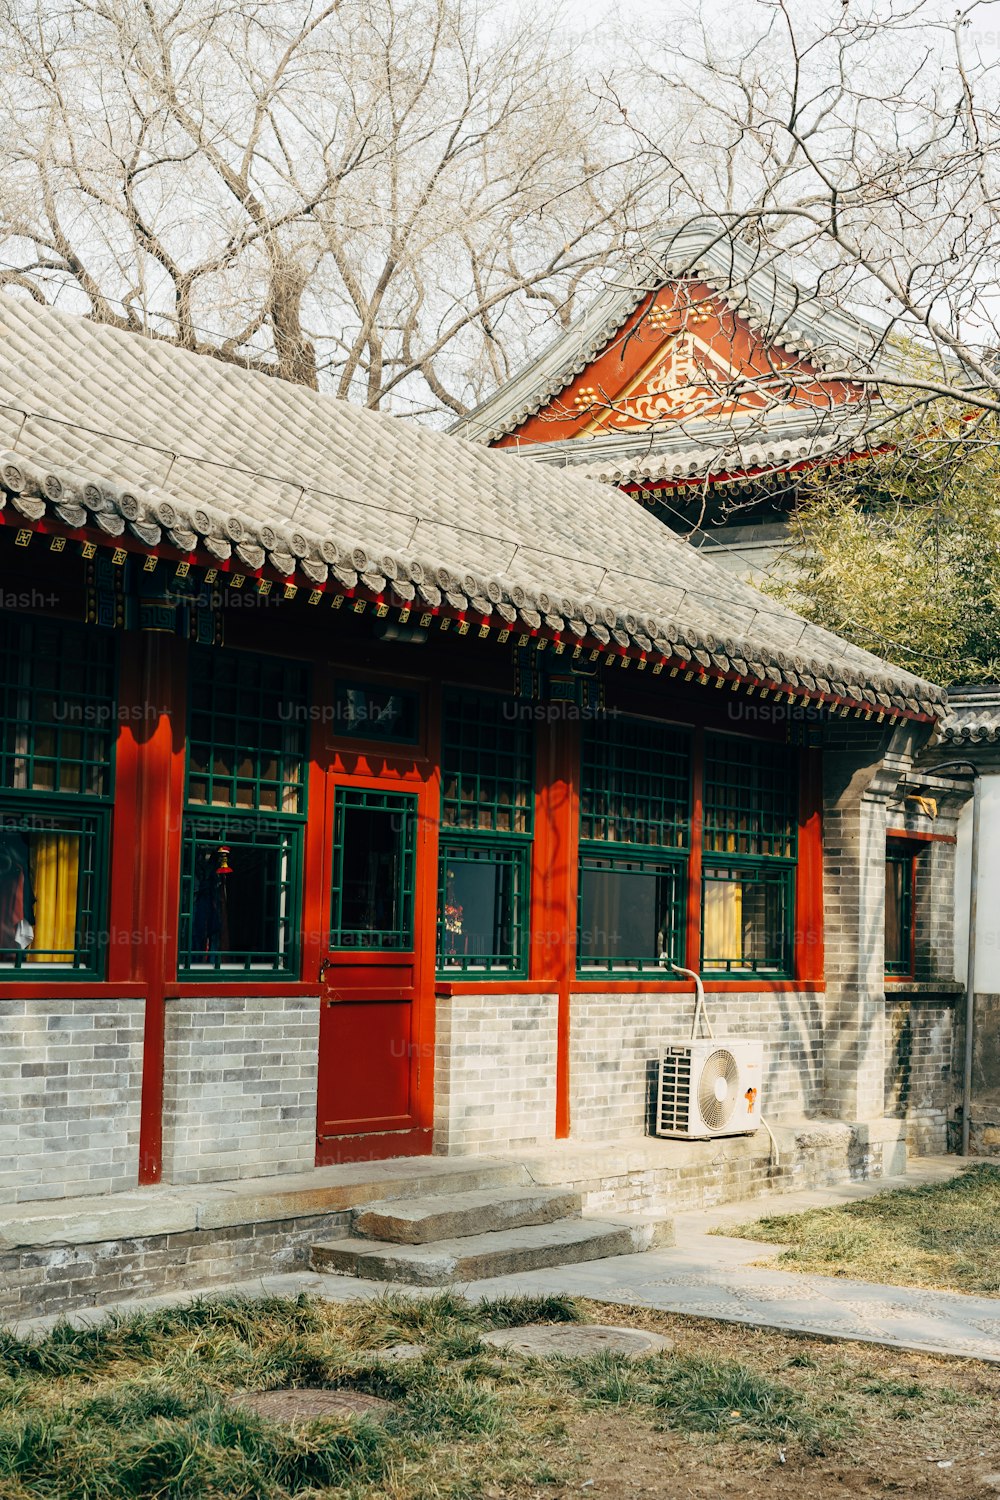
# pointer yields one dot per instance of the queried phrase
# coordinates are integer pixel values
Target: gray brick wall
(70, 1077)
(613, 1039)
(495, 1073)
(239, 1087)
(921, 1080)
(861, 772)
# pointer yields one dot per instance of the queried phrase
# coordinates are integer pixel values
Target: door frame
(386, 766)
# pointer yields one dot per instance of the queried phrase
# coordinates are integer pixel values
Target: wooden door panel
(367, 1051)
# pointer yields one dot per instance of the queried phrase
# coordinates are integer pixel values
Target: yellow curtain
(723, 920)
(55, 875)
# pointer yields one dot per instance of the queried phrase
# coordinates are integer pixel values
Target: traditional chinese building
(360, 787)
(702, 382)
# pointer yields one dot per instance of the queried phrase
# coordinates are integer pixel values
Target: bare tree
(855, 144)
(385, 198)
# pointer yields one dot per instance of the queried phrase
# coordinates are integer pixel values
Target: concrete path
(709, 1276)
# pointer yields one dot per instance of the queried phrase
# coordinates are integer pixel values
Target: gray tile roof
(115, 431)
(972, 716)
(782, 312)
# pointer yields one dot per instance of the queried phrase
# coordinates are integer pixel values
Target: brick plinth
(70, 1074)
(239, 1087)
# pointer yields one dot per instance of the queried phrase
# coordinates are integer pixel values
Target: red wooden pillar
(809, 871)
(554, 885)
(692, 945)
(153, 739)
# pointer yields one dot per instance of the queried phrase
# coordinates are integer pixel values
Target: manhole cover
(309, 1403)
(576, 1340)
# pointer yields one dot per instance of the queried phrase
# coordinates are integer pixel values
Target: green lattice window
(632, 913)
(487, 814)
(58, 707)
(635, 784)
(899, 894)
(635, 832)
(58, 722)
(487, 771)
(749, 852)
(241, 857)
(751, 797)
(483, 907)
(374, 844)
(746, 919)
(239, 896)
(247, 731)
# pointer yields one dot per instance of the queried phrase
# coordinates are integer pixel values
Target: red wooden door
(376, 979)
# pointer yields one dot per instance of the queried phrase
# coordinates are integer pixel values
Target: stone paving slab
(709, 1276)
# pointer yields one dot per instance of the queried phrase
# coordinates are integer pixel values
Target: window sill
(70, 989)
(618, 984)
(895, 985)
(495, 984)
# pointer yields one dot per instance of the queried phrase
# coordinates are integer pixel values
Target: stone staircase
(440, 1238)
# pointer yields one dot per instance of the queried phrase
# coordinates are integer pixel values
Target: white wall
(988, 901)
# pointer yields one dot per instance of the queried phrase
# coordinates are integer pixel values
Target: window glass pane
(49, 887)
(746, 915)
(631, 912)
(751, 797)
(483, 908)
(486, 765)
(248, 732)
(374, 840)
(239, 894)
(898, 912)
(57, 707)
(635, 783)
(367, 712)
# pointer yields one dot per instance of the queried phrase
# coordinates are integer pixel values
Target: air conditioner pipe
(700, 1013)
(970, 972)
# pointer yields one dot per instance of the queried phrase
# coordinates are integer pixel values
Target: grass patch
(136, 1408)
(944, 1235)
(697, 1394)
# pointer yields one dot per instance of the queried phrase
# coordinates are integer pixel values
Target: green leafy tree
(900, 552)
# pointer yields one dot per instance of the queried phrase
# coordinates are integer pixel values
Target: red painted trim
(380, 1146)
(446, 988)
(183, 989)
(160, 751)
(923, 838)
(613, 986)
(77, 990)
(554, 877)
(692, 943)
(809, 951)
(123, 961)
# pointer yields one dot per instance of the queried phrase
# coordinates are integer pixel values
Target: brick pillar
(862, 767)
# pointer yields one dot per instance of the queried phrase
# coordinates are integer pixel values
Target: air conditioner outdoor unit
(709, 1087)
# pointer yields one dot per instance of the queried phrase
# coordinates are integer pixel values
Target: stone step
(450, 1216)
(479, 1256)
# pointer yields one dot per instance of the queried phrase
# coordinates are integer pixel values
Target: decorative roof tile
(240, 460)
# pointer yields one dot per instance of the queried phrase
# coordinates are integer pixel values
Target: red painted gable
(682, 354)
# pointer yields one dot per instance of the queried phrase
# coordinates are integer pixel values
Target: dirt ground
(914, 1425)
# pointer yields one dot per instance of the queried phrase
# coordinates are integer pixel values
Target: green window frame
(58, 729)
(749, 857)
(390, 870)
(487, 828)
(900, 882)
(635, 838)
(244, 814)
